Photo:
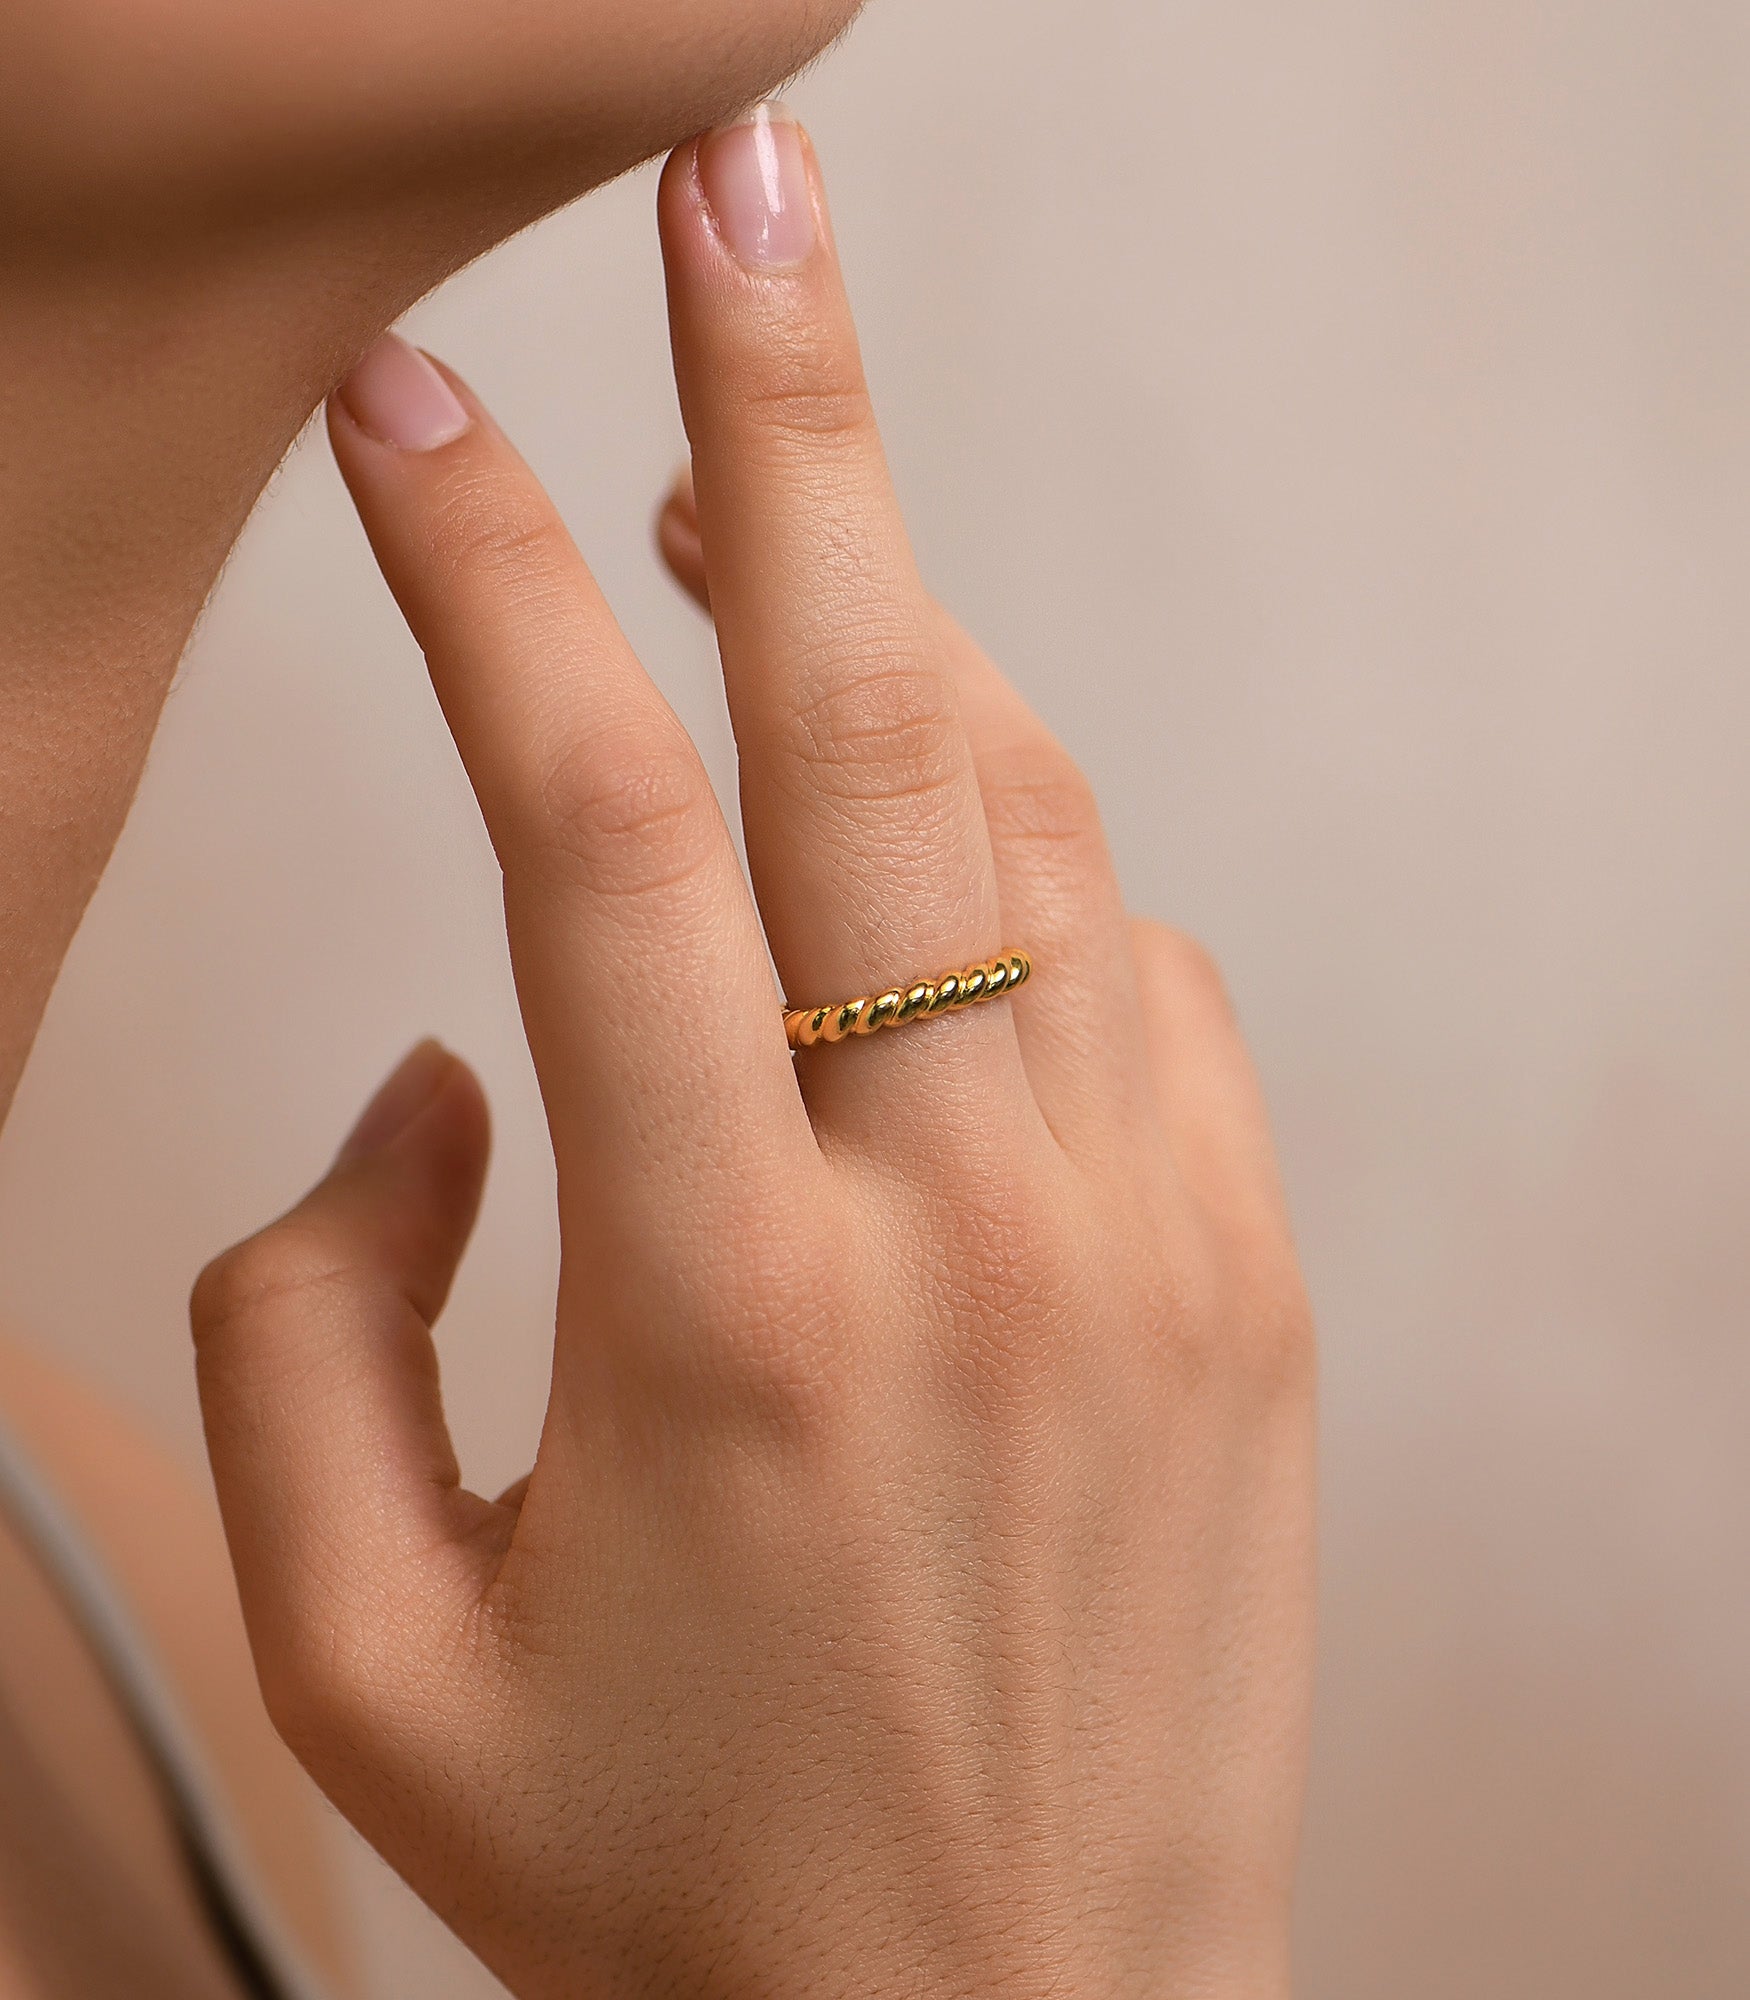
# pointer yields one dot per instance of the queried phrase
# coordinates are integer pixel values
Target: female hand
(912, 1590)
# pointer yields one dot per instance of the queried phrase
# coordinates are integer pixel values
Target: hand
(912, 1590)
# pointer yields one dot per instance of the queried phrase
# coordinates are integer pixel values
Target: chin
(118, 116)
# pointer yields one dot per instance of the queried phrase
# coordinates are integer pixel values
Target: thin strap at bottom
(266, 1960)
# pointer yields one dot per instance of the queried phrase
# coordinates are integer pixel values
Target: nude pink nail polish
(400, 398)
(755, 178)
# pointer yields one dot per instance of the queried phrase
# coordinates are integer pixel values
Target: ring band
(804, 1026)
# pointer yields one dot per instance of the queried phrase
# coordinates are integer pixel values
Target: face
(126, 117)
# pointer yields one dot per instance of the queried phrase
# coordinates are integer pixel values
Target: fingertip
(405, 1189)
(747, 195)
(682, 550)
(396, 395)
(757, 181)
(682, 496)
(428, 1124)
(455, 1130)
(405, 1094)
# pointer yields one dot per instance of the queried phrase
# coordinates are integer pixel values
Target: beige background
(1336, 417)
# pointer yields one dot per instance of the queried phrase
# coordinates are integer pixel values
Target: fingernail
(400, 398)
(755, 177)
(423, 1072)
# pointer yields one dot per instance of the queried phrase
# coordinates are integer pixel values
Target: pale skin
(912, 1591)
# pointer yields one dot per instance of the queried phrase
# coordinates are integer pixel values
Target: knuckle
(1040, 798)
(887, 730)
(283, 1264)
(779, 1317)
(303, 1705)
(1232, 1322)
(215, 1300)
(1276, 1338)
(1177, 963)
(495, 535)
(1006, 1240)
(634, 808)
(325, 1691)
(812, 410)
(1018, 1283)
(808, 392)
(1186, 1309)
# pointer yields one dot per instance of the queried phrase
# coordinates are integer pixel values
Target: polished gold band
(893, 1009)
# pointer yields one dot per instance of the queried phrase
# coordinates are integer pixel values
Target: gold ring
(804, 1026)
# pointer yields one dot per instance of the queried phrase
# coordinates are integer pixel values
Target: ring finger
(865, 834)
(1081, 1030)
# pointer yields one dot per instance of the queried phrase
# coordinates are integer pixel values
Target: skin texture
(207, 212)
(912, 1593)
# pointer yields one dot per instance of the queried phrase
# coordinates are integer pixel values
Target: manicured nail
(423, 1072)
(399, 398)
(755, 177)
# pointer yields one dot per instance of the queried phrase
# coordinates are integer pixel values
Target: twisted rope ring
(989, 980)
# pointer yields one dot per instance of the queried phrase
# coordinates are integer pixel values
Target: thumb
(319, 1388)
